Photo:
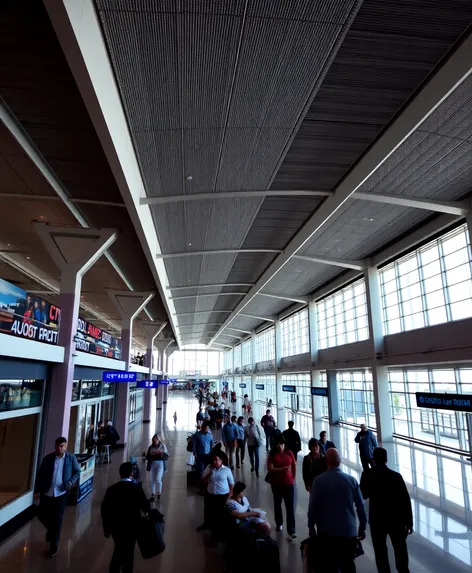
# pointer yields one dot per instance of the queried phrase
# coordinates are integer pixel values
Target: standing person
(314, 464)
(254, 439)
(175, 418)
(100, 435)
(156, 455)
(202, 446)
(268, 423)
(240, 449)
(229, 435)
(246, 405)
(90, 439)
(367, 444)
(219, 481)
(199, 418)
(292, 440)
(111, 435)
(389, 512)
(282, 469)
(121, 511)
(325, 444)
(58, 472)
(332, 499)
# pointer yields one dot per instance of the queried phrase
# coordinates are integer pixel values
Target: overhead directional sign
(164, 382)
(319, 391)
(260, 386)
(146, 384)
(242, 385)
(289, 388)
(119, 376)
(456, 402)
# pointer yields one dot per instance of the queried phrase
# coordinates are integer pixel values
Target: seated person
(240, 509)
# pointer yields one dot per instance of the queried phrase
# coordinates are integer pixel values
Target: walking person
(332, 499)
(241, 447)
(367, 444)
(389, 512)
(282, 470)
(58, 472)
(268, 423)
(292, 440)
(156, 455)
(121, 512)
(219, 482)
(229, 435)
(202, 447)
(325, 444)
(254, 439)
(314, 464)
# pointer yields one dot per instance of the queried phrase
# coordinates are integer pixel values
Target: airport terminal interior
(268, 202)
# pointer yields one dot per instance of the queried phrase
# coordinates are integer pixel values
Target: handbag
(190, 460)
(268, 477)
(148, 465)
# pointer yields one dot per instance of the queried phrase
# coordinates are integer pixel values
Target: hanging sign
(260, 386)
(146, 384)
(289, 388)
(242, 385)
(319, 391)
(456, 402)
(164, 382)
(119, 376)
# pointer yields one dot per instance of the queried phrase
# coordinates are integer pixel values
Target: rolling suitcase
(151, 535)
(266, 555)
(192, 478)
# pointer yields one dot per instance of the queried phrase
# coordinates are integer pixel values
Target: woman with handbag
(156, 455)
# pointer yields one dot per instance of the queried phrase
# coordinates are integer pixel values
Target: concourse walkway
(84, 549)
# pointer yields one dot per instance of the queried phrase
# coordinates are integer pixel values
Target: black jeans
(122, 560)
(52, 510)
(213, 512)
(268, 435)
(240, 452)
(367, 463)
(254, 457)
(338, 553)
(398, 539)
(287, 494)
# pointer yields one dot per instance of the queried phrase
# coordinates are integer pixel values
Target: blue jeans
(201, 463)
(254, 457)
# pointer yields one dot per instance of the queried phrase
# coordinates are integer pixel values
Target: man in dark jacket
(292, 440)
(325, 444)
(57, 474)
(389, 512)
(111, 435)
(121, 510)
(367, 443)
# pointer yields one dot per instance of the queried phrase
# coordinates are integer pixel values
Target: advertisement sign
(289, 388)
(146, 384)
(85, 486)
(319, 391)
(455, 402)
(119, 376)
(93, 340)
(27, 316)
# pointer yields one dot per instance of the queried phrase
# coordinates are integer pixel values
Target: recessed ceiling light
(190, 244)
(370, 219)
(189, 178)
(28, 258)
(8, 245)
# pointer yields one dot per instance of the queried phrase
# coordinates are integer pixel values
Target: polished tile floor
(83, 547)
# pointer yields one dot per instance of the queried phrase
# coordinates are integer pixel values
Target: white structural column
(129, 305)
(168, 350)
(383, 412)
(253, 372)
(316, 401)
(161, 346)
(278, 375)
(151, 330)
(74, 250)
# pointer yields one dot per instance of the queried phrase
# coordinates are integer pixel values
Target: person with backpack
(253, 435)
(156, 454)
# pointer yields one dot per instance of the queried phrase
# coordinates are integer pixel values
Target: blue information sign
(242, 385)
(119, 377)
(146, 384)
(456, 402)
(289, 388)
(164, 382)
(260, 386)
(319, 391)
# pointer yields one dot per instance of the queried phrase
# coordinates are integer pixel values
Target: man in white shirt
(59, 471)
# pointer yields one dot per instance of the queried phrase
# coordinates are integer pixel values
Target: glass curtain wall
(301, 401)
(342, 316)
(356, 397)
(430, 286)
(246, 354)
(295, 335)
(207, 362)
(265, 345)
(237, 358)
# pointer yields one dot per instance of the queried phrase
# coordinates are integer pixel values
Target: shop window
(17, 456)
(90, 389)
(108, 389)
(75, 390)
(18, 394)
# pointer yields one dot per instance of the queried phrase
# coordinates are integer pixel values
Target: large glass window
(324, 382)
(429, 286)
(356, 397)
(246, 354)
(295, 335)
(342, 316)
(265, 345)
(203, 361)
(302, 399)
(270, 389)
(435, 426)
(16, 394)
(237, 357)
